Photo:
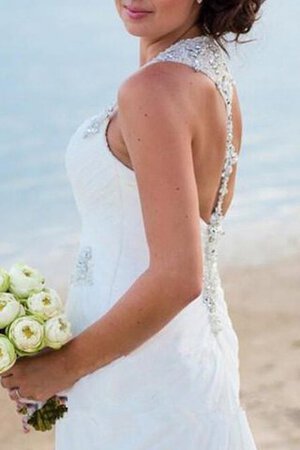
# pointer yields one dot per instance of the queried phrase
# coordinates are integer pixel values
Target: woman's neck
(150, 48)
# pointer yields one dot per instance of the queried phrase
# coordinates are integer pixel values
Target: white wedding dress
(180, 389)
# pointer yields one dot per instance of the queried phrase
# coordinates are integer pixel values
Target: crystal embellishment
(203, 54)
(83, 270)
(211, 278)
(93, 127)
(95, 123)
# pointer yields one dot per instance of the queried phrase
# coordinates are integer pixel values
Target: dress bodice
(106, 191)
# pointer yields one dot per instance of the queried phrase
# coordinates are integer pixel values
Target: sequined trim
(83, 269)
(203, 54)
(95, 123)
(211, 278)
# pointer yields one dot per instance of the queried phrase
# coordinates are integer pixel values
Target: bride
(153, 364)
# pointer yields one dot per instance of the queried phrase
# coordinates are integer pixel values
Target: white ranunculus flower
(46, 304)
(57, 331)
(7, 354)
(10, 309)
(25, 280)
(27, 334)
(4, 280)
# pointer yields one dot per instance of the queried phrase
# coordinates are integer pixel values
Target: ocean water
(62, 62)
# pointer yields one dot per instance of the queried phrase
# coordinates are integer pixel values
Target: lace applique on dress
(95, 122)
(83, 271)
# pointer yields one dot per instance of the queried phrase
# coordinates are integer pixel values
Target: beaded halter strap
(205, 55)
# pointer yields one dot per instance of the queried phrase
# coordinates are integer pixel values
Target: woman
(153, 364)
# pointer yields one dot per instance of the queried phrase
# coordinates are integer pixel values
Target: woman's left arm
(155, 116)
(156, 119)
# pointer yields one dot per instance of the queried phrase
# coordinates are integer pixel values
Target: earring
(199, 1)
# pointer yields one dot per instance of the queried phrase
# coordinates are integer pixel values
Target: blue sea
(62, 62)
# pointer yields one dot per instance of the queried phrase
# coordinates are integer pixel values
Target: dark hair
(219, 17)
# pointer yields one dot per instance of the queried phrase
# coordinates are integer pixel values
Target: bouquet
(32, 319)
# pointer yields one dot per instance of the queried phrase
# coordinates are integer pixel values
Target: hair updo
(219, 17)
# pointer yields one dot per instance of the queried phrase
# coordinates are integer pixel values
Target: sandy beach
(264, 305)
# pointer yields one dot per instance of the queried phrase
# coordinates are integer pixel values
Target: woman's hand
(41, 376)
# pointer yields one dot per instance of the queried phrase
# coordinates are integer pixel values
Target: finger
(13, 393)
(3, 382)
(46, 350)
(8, 383)
(6, 373)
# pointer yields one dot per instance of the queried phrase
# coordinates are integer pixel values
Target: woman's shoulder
(167, 80)
(168, 87)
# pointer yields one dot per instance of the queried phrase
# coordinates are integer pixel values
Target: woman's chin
(136, 34)
(135, 30)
